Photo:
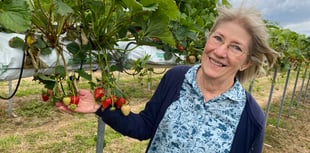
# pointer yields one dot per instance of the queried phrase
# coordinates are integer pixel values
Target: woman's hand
(87, 103)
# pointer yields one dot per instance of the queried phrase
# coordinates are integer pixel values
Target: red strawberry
(45, 97)
(99, 92)
(106, 103)
(120, 102)
(180, 47)
(75, 100)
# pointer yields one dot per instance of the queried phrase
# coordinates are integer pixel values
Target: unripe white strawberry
(125, 109)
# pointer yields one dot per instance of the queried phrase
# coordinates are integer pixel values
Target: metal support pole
(307, 87)
(301, 88)
(251, 86)
(10, 101)
(270, 94)
(100, 136)
(293, 93)
(283, 95)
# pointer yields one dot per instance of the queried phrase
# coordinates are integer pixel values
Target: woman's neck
(212, 87)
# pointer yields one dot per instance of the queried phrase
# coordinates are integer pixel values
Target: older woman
(204, 108)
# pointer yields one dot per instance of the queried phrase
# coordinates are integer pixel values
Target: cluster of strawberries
(112, 100)
(72, 101)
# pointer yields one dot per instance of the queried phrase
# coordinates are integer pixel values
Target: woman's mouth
(217, 63)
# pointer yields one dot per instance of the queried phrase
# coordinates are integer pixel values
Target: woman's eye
(236, 48)
(218, 38)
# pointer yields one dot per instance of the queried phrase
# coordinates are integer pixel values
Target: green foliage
(189, 31)
(293, 48)
(16, 42)
(15, 15)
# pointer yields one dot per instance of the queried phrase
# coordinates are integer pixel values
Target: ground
(293, 135)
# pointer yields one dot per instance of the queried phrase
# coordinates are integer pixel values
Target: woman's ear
(245, 66)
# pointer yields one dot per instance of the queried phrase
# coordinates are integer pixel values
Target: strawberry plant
(292, 47)
(189, 32)
(92, 28)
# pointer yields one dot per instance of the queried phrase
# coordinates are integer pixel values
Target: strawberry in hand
(125, 109)
(86, 104)
(105, 103)
(99, 92)
(75, 99)
(66, 100)
(120, 101)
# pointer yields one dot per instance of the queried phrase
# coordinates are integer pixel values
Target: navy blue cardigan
(248, 138)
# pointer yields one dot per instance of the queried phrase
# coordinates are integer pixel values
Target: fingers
(84, 92)
(60, 106)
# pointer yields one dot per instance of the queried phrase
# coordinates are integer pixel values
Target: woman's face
(225, 52)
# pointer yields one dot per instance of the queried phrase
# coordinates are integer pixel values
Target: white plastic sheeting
(11, 58)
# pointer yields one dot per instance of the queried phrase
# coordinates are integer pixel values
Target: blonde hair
(260, 53)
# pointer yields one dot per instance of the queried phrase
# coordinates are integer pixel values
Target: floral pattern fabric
(191, 125)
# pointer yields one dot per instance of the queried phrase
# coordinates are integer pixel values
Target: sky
(288, 14)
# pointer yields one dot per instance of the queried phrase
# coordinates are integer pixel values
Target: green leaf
(84, 75)
(166, 7)
(62, 8)
(43, 77)
(73, 48)
(168, 55)
(46, 51)
(48, 81)
(150, 8)
(114, 68)
(39, 43)
(133, 5)
(16, 42)
(15, 15)
(158, 27)
(60, 70)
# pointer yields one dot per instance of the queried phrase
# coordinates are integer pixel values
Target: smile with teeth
(216, 62)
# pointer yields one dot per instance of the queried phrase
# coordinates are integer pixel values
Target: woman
(204, 108)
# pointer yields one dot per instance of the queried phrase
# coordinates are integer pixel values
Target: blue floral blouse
(191, 125)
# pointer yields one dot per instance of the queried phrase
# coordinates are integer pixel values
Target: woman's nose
(221, 50)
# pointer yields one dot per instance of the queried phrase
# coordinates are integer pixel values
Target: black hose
(18, 82)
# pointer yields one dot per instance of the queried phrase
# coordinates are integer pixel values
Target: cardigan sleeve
(143, 125)
(249, 136)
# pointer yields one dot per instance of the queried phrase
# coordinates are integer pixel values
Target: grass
(40, 128)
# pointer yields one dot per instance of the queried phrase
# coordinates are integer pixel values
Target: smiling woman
(203, 108)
